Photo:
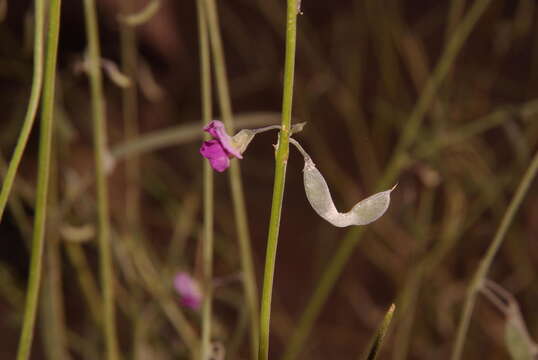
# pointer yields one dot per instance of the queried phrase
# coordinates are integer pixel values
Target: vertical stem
(52, 309)
(99, 133)
(129, 61)
(280, 175)
(37, 80)
(45, 144)
(205, 81)
(238, 197)
(487, 260)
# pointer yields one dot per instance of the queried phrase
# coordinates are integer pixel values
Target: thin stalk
(205, 81)
(129, 61)
(129, 102)
(88, 285)
(487, 260)
(35, 93)
(99, 133)
(43, 172)
(282, 153)
(238, 197)
(340, 258)
(52, 308)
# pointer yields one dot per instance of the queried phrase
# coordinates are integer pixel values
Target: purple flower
(189, 290)
(219, 150)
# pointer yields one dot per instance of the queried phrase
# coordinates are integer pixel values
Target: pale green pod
(319, 196)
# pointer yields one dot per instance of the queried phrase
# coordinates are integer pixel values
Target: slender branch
(205, 81)
(43, 172)
(129, 60)
(279, 182)
(35, 93)
(99, 132)
(487, 260)
(238, 197)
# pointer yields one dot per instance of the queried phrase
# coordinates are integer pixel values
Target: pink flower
(189, 290)
(219, 150)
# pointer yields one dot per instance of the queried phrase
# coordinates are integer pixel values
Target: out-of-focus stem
(100, 138)
(238, 197)
(52, 308)
(35, 93)
(43, 172)
(205, 81)
(129, 59)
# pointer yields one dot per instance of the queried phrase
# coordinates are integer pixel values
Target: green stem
(339, 260)
(45, 145)
(282, 153)
(99, 132)
(238, 197)
(487, 260)
(205, 81)
(37, 80)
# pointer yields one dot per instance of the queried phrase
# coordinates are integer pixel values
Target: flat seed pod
(319, 196)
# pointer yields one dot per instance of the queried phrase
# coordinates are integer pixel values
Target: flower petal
(216, 129)
(220, 164)
(188, 290)
(212, 149)
(215, 153)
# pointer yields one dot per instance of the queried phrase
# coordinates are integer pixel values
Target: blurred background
(361, 68)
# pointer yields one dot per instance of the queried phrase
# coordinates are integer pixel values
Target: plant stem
(129, 60)
(52, 305)
(205, 81)
(487, 260)
(35, 93)
(238, 197)
(339, 260)
(99, 133)
(45, 145)
(282, 153)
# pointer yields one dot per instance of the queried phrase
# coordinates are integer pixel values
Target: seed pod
(319, 196)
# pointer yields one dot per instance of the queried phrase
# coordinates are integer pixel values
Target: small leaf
(377, 341)
(517, 340)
